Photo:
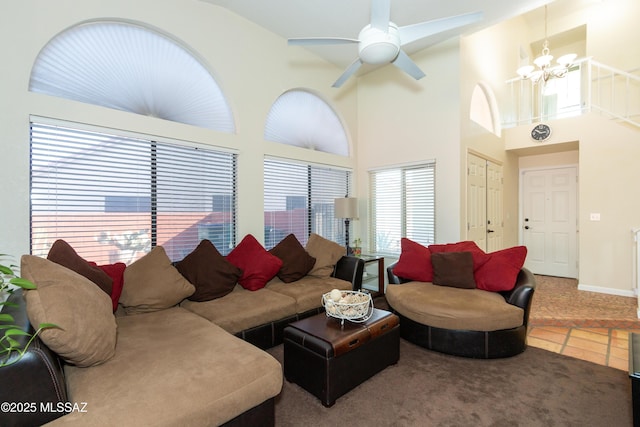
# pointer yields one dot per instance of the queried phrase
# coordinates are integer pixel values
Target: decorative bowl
(354, 306)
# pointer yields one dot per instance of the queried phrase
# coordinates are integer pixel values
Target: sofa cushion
(152, 283)
(500, 272)
(243, 309)
(307, 292)
(453, 269)
(453, 308)
(326, 253)
(86, 333)
(414, 262)
(296, 261)
(257, 264)
(62, 253)
(211, 274)
(479, 256)
(172, 368)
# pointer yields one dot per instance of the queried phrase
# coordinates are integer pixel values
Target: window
(303, 119)
(113, 196)
(298, 199)
(129, 67)
(402, 205)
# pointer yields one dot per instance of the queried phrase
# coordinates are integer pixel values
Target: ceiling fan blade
(405, 63)
(411, 33)
(351, 69)
(380, 11)
(314, 41)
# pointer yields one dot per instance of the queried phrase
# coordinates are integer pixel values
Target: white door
(494, 207)
(477, 200)
(549, 221)
(484, 203)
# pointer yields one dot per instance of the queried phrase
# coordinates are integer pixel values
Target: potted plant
(11, 350)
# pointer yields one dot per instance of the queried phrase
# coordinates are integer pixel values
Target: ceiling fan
(379, 42)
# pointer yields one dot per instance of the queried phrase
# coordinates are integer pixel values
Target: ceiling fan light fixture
(377, 46)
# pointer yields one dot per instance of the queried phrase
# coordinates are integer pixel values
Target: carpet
(425, 388)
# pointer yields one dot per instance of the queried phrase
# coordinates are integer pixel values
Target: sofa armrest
(350, 268)
(393, 279)
(38, 377)
(522, 293)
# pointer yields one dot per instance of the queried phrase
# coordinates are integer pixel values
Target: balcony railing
(589, 86)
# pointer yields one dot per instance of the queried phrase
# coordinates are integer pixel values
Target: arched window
(300, 118)
(484, 109)
(129, 67)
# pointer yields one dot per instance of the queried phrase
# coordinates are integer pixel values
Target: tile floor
(604, 346)
(581, 324)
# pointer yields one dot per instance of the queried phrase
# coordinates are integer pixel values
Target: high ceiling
(345, 18)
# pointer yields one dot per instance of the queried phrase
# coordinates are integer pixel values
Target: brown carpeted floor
(425, 388)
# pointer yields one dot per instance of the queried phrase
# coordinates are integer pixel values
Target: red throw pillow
(479, 256)
(258, 266)
(500, 272)
(116, 272)
(414, 262)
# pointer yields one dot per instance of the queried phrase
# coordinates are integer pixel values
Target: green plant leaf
(23, 283)
(16, 333)
(12, 343)
(6, 317)
(8, 304)
(5, 270)
(48, 325)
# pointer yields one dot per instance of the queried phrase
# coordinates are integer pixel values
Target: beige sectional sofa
(161, 359)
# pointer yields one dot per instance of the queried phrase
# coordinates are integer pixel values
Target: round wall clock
(541, 132)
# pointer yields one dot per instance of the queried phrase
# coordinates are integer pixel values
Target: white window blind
(402, 205)
(114, 197)
(299, 198)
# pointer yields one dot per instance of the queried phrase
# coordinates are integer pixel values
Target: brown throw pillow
(211, 274)
(87, 328)
(453, 269)
(152, 284)
(62, 253)
(326, 253)
(296, 261)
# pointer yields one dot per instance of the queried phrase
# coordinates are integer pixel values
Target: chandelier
(545, 70)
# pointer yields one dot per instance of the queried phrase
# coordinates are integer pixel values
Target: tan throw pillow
(87, 333)
(152, 283)
(326, 253)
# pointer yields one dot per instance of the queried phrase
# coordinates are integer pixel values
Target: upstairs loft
(589, 86)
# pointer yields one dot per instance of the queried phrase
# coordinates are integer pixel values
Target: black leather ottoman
(328, 360)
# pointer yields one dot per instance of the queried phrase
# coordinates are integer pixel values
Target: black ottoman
(328, 359)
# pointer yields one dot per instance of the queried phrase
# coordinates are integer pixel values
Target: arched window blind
(300, 118)
(298, 199)
(402, 205)
(129, 67)
(113, 197)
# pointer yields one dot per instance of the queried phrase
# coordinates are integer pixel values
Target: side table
(370, 278)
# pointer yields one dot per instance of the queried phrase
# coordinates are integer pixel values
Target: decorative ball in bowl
(354, 306)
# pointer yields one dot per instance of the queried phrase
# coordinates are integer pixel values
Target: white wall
(607, 179)
(403, 121)
(252, 66)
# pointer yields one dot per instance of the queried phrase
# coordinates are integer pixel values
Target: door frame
(521, 224)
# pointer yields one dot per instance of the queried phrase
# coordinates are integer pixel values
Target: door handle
(489, 231)
(526, 227)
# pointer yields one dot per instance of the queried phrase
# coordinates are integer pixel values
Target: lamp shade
(346, 207)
